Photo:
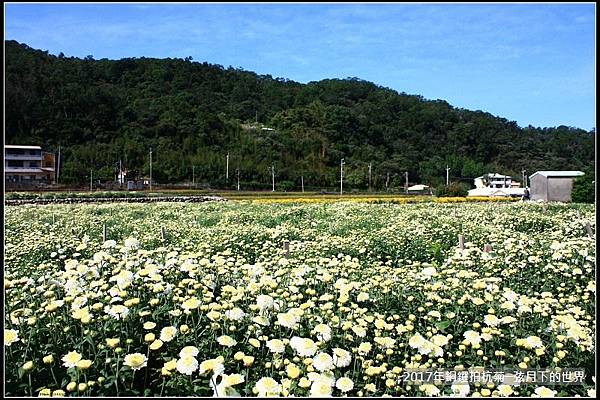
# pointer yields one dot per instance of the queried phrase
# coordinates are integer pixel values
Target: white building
(494, 181)
(27, 166)
(419, 189)
(496, 185)
(496, 192)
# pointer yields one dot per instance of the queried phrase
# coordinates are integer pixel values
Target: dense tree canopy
(193, 114)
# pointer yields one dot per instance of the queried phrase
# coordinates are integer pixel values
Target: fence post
(461, 242)
(588, 228)
(104, 233)
(487, 248)
(286, 248)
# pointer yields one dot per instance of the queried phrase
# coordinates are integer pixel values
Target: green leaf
(443, 325)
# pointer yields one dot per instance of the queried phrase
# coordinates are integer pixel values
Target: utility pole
(150, 168)
(387, 181)
(273, 175)
(406, 184)
(238, 182)
(369, 177)
(302, 182)
(121, 178)
(524, 178)
(58, 168)
(193, 176)
(342, 176)
(227, 171)
(447, 175)
(91, 177)
(55, 168)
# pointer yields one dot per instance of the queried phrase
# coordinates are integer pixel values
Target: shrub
(455, 189)
(583, 189)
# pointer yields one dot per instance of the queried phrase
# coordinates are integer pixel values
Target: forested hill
(192, 114)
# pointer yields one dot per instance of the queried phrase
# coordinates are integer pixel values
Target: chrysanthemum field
(365, 292)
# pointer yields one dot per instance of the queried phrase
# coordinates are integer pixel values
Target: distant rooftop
(494, 176)
(16, 146)
(418, 187)
(565, 174)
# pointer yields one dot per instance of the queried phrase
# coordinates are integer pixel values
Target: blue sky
(530, 63)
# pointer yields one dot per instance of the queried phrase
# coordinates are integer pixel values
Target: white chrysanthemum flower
(267, 387)
(225, 388)
(509, 319)
(10, 336)
(287, 320)
(543, 391)
(149, 325)
(341, 358)
(305, 347)
(428, 347)
(430, 390)
(323, 332)
(109, 244)
(276, 346)
(416, 341)
(117, 311)
(187, 364)
(344, 384)
(123, 279)
(505, 390)
(365, 347)
(472, 337)
(191, 304)
(226, 341)
(215, 365)
(359, 331)
(460, 389)
(533, 342)
(235, 314)
(322, 362)
(190, 351)
(492, 320)
(71, 359)
(439, 340)
(321, 388)
(168, 333)
(385, 342)
(132, 243)
(135, 361)
(265, 302)
(362, 296)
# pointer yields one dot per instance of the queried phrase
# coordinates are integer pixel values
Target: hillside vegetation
(192, 114)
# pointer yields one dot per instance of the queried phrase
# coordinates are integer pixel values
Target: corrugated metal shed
(565, 174)
(553, 185)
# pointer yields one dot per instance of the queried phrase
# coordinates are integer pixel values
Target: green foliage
(454, 189)
(583, 188)
(192, 114)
